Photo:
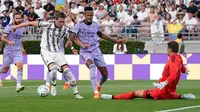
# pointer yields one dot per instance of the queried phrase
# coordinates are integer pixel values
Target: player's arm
(23, 50)
(5, 39)
(31, 23)
(77, 41)
(106, 37)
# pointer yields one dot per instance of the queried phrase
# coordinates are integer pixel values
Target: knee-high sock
(125, 96)
(48, 78)
(93, 76)
(1, 69)
(65, 77)
(19, 77)
(67, 73)
(103, 79)
(53, 76)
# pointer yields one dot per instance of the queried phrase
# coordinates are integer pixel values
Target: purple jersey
(87, 34)
(15, 37)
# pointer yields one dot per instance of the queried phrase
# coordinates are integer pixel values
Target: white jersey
(52, 36)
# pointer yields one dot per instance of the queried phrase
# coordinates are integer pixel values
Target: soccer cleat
(96, 95)
(78, 96)
(1, 84)
(99, 88)
(66, 86)
(20, 88)
(106, 97)
(53, 90)
(188, 96)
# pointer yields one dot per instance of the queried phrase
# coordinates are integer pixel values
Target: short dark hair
(60, 15)
(17, 13)
(179, 35)
(88, 9)
(173, 45)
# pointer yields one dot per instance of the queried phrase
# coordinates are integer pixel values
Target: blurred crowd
(153, 17)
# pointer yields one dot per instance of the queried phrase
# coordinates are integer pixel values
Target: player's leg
(101, 65)
(7, 60)
(18, 60)
(61, 62)
(128, 95)
(48, 58)
(48, 79)
(174, 95)
(19, 87)
(93, 72)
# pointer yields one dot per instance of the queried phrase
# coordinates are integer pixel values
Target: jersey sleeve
(43, 24)
(174, 70)
(76, 29)
(66, 34)
(7, 29)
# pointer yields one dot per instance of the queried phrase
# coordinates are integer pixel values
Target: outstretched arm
(31, 23)
(106, 37)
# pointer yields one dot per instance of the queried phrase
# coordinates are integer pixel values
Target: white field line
(177, 109)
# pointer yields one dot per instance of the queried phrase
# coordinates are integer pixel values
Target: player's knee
(89, 62)
(20, 66)
(53, 68)
(66, 70)
(72, 83)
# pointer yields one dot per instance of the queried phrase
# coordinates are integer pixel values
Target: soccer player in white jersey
(51, 53)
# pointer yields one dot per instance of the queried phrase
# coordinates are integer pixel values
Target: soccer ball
(43, 90)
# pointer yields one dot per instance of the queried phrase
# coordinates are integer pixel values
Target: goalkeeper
(166, 87)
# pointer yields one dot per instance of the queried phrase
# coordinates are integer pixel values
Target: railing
(131, 32)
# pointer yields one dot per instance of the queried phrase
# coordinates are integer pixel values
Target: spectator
(74, 8)
(157, 29)
(19, 8)
(190, 23)
(5, 19)
(49, 8)
(142, 14)
(173, 12)
(82, 6)
(101, 13)
(119, 48)
(27, 8)
(112, 13)
(193, 8)
(121, 3)
(179, 40)
(32, 16)
(9, 5)
(68, 22)
(39, 10)
(110, 5)
(180, 19)
(107, 25)
(121, 14)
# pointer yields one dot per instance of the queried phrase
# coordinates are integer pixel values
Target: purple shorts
(9, 58)
(96, 55)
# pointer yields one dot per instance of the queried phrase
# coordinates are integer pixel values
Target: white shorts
(53, 57)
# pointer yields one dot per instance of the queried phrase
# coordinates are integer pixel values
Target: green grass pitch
(29, 101)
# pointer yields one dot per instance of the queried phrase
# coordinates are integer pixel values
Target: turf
(29, 101)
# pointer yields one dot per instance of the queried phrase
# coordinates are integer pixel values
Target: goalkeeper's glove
(187, 71)
(160, 85)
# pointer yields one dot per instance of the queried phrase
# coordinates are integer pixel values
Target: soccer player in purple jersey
(86, 34)
(13, 50)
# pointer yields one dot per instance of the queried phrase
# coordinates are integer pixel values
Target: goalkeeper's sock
(125, 96)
